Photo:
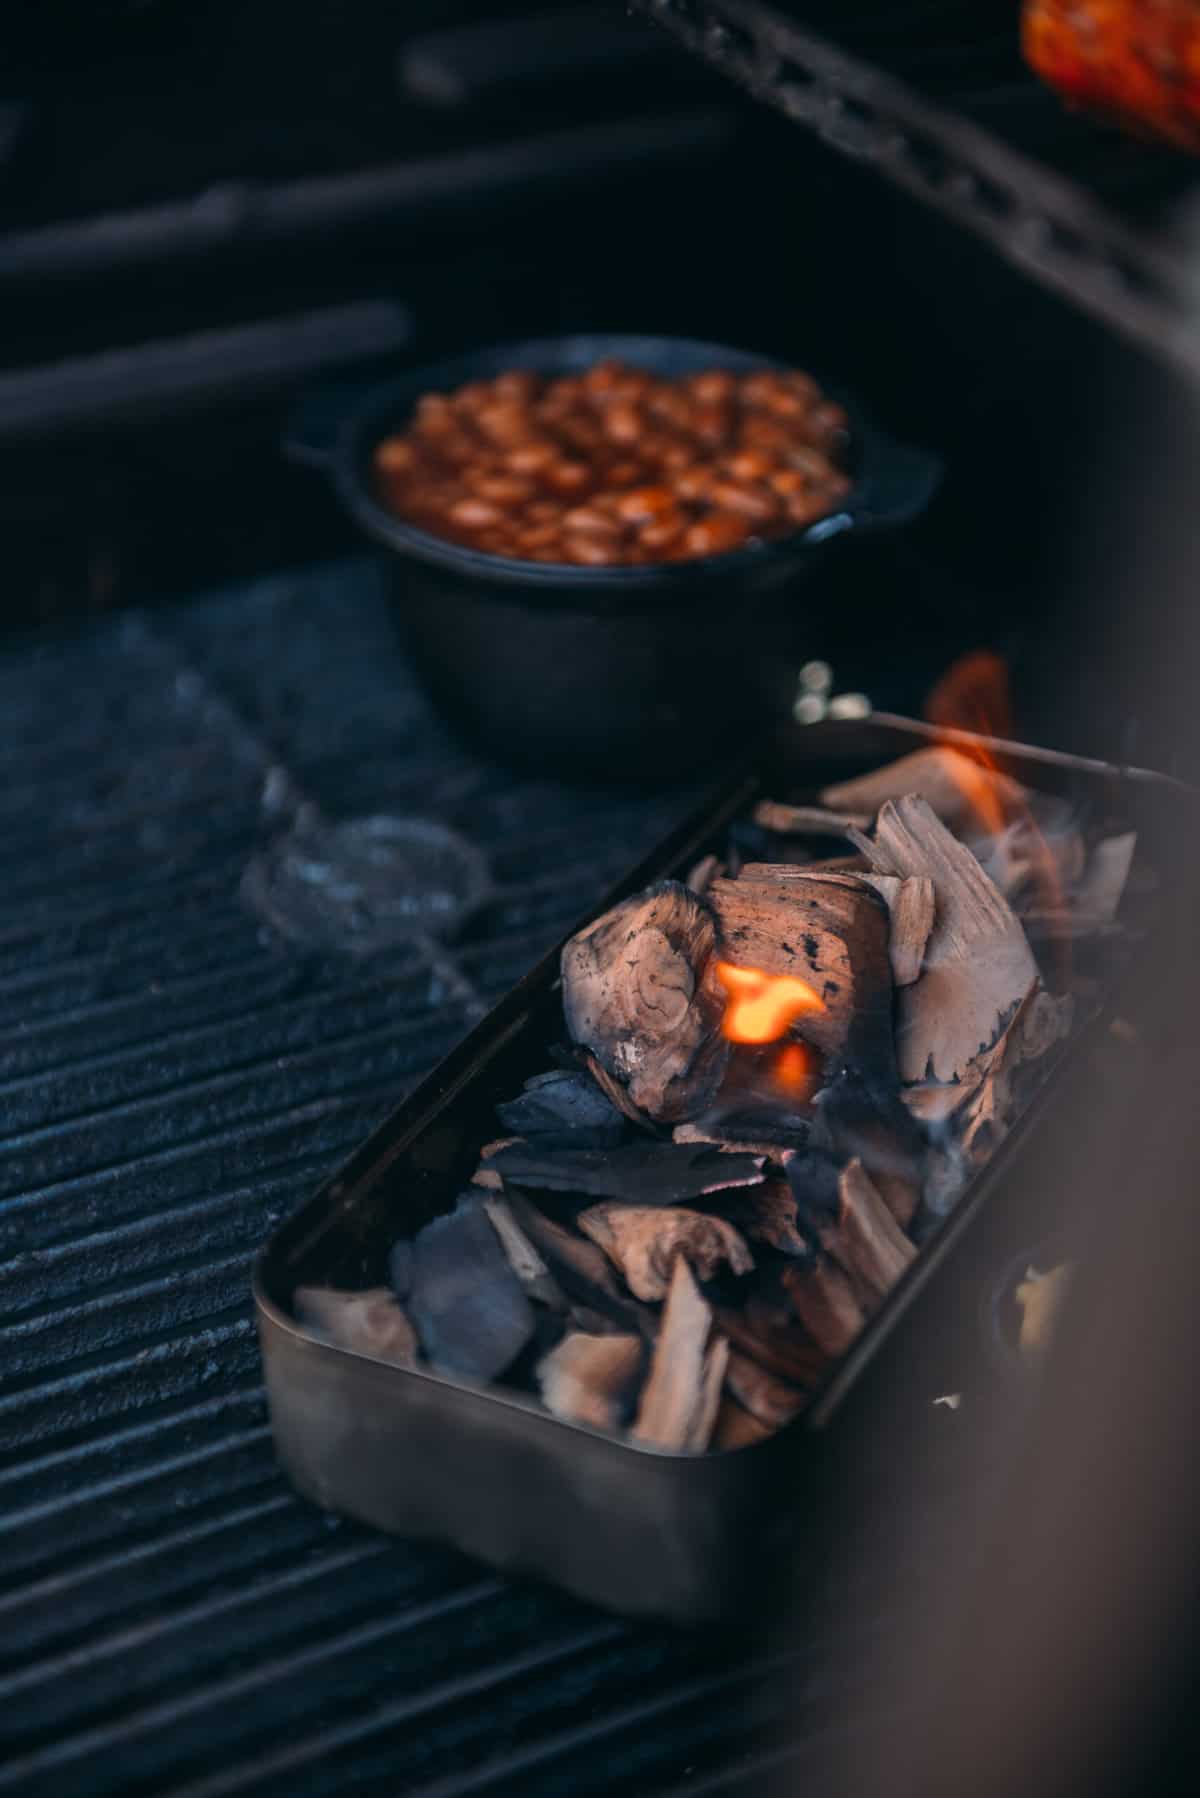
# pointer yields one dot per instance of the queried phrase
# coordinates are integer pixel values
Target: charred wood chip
(592, 1379)
(371, 1323)
(718, 1137)
(682, 1393)
(636, 993)
(768, 1398)
(768, 1213)
(659, 1173)
(471, 1313)
(582, 1270)
(645, 1241)
(825, 1303)
(617, 1096)
(569, 1107)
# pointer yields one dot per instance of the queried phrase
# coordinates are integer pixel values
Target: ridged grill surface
(174, 1077)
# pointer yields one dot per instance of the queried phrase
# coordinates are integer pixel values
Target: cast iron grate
(173, 1078)
(934, 96)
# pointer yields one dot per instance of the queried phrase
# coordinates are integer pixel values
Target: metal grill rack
(970, 133)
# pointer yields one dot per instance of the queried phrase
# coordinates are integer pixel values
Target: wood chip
(729, 1145)
(947, 780)
(591, 1379)
(618, 1095)
(652, 1173)
(978, 964)
(911, 908)
(524, 1259)
(489, 1177)
(829, 932)
(371, 1322)
(808, 820)
(768, 1214)
(873, 1245)
(990, 1105)
(645, 1241)
(1098, 895)
(582, 1270)
(469, 1309)
(781, 1347)
(1041, 1298)
(735, 1428)
(636, 993)
(682, 1393)
(825, 1304)
(702, 874)
(769, 1399)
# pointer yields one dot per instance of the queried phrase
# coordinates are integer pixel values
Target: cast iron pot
(636, 670)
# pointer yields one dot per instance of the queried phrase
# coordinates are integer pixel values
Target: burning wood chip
(370, 1323)
(769, 1399)
(825, 1303)
(829, 933)
(1041, 1298)
(1098, 895)
(567, 1107)
(978, 965)
(582, 1270)
(910, 906)
(682, 1393)
(524, 1259)
(952, 784)
(808, 820)
(644, 1241)
(470, 1311)
(591, 1379)
(636, 993)
(660, 1173)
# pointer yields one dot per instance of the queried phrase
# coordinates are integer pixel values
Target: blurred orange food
(1136, 61)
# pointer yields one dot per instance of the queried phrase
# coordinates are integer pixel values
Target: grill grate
(173, 1079)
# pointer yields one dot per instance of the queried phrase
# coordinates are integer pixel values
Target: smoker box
(636, 1529)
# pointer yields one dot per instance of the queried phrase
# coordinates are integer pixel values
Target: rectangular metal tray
(638, 1530)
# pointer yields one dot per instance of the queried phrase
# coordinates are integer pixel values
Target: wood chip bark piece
(470, 1311)
(652, 1173)
(591, 1379)
(978, 964)
(682, 1394)
(645, 1242)
(831, 933)
(371, 1322)
(949, 782)
(636, 993)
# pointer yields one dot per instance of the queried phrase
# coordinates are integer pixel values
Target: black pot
(639, 670)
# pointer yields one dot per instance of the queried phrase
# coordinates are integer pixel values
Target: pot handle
(896, 484)
(310, 431)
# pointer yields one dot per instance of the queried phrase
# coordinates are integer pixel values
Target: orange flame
(973, 694)
(795, 1070)
(763, 1006)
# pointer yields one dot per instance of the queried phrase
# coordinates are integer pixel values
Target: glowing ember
(762, 1007)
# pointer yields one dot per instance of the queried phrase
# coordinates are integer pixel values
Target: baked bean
(616, 466)
(719, 532)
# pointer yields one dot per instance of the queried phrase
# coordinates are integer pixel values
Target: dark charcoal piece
(866, 1118)
(466, 1303)
(659, 1173)
(569, 1107)
(400, 1269)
